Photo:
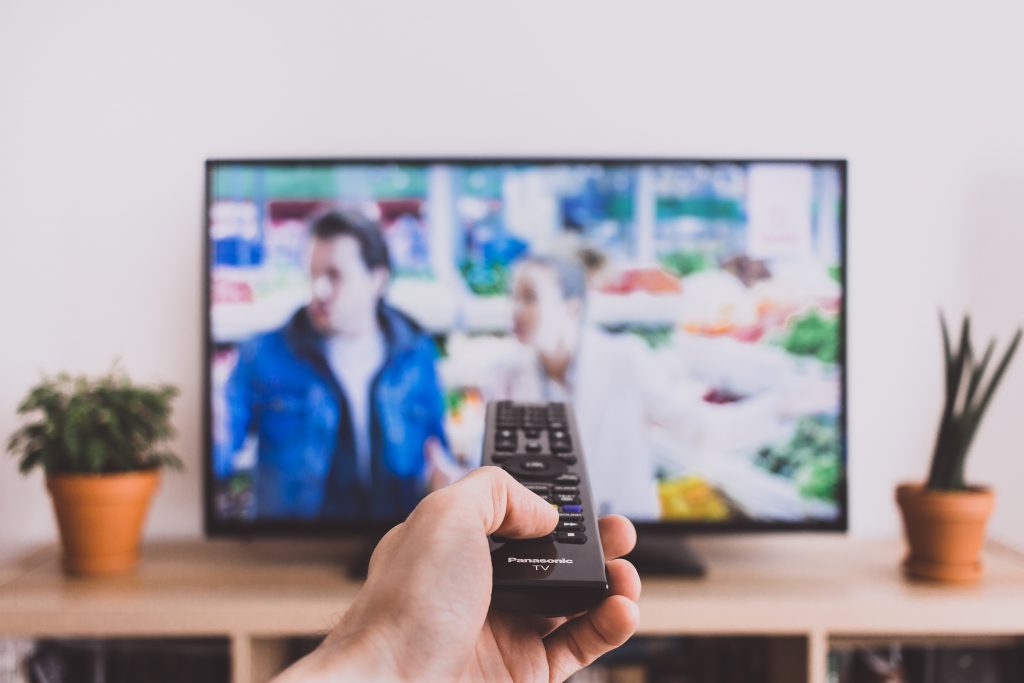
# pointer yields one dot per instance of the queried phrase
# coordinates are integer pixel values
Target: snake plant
(968, 395)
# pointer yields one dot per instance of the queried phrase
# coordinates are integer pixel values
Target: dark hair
(340, 222)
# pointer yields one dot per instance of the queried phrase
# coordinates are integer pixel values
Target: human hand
(423, 612)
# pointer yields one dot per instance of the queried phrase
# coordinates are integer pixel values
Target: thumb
(504, 506)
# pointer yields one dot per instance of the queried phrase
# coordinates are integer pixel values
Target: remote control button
(571, 537)
(572, 490)
(567, 478)
(566, 499)
(506, 446)
(533, 448)
(539, 489)
(533, 467)
(570, 526)
(572, 508)
(498, 458)
(506, 434)
(567, 458)
(561, 446)
(532, 433)
(570, 517)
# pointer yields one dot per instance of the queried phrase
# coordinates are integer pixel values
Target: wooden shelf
(802, 590)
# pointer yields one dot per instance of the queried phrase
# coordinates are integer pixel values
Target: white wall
(107, 113)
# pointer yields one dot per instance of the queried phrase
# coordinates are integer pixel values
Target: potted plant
(98, 442)
(945, 518)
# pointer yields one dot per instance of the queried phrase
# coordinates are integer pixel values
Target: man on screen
(344, 398)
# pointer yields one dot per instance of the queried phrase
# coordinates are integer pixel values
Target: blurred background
(109, 110)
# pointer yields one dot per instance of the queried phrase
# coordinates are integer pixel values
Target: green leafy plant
(94, 426)
(813, 335)
(967, 398)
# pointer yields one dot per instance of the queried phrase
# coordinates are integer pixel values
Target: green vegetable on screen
(484, 280)
(453, 400)
(813, 335)
(811, 457)
(239, 483)
(819, 480)
(656, 337)
(682, 262)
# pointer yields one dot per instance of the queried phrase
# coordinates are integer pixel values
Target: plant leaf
(971, 419)
(942, 454)
(976, 374)
(997, 376)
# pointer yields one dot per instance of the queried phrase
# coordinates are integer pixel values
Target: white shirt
(615, 393)
(355, 361)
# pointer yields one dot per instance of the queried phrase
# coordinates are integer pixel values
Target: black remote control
(563, 573)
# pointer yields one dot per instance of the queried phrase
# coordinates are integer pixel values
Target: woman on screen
(615, 389)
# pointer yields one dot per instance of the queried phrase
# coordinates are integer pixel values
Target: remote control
(559, 574)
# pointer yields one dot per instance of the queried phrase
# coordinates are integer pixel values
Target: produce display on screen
(363, 314)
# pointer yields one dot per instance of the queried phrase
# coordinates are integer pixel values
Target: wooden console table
(803, 592)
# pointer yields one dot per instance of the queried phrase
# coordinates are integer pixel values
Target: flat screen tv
(361, 312)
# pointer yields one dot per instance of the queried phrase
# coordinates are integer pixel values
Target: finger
(502, 505)
(618, 536)
(577, 643)
(623, 579)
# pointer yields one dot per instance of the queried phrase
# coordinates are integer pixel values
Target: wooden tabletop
(770, 584)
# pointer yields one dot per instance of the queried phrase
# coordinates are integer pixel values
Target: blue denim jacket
(284, 392)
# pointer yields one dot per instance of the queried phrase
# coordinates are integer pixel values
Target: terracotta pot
(101, 517)
(945, 531)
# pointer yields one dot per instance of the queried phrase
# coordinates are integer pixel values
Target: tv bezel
(215, 526)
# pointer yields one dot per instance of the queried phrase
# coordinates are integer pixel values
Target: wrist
(350, 657)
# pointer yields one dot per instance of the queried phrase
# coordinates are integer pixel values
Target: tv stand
(658, 554)
(801, 595)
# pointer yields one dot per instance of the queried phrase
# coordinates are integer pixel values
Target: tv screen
(361, 313)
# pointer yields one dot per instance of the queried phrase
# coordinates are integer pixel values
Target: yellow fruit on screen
(691, 498)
